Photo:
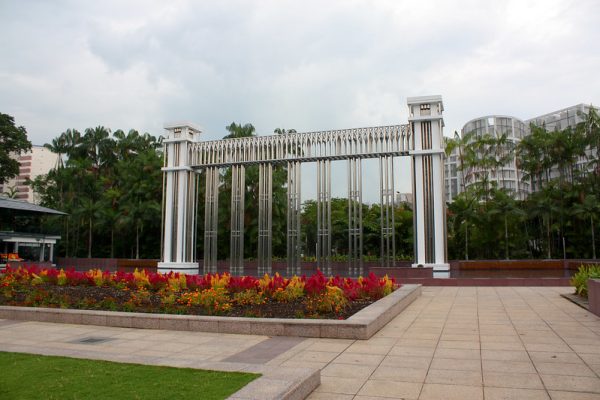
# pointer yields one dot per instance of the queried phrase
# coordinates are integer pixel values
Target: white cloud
(306, 65)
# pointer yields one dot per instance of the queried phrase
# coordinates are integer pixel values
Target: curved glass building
(504, 175)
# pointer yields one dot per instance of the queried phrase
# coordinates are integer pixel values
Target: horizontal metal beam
(305, 159)
(373, 142)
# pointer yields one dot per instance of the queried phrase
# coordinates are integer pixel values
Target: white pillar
(179, 200)
(425, 117)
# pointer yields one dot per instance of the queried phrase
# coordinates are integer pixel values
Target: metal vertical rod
(381, 172)
(269, 217)
(298, 214)
(211, 216)
(393, 227)
(386, 212)
(324, 216)
(328, 268)
(290, 232)
(261, 184)
(360, 219)
(293, 219)
(388, 246)
(265, 213)
(237, 220)
(207, 223)
(350, 220)
(319, 223)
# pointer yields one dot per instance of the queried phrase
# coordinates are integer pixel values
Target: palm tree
(588, 209)
(503, 204)
(542, 205)
(463, 210)
(59, 147)
(72, 140)
(88, 210)
(237, 130)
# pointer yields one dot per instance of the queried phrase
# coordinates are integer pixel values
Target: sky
(306, 65)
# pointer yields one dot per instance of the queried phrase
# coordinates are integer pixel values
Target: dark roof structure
(24, 206)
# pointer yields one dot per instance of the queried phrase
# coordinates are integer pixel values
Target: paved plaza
(451, 343)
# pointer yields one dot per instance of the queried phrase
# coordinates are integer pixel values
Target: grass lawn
(28, 376)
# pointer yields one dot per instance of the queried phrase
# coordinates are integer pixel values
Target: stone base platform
(361, 325)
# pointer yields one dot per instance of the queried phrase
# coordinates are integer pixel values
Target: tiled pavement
(451, 343)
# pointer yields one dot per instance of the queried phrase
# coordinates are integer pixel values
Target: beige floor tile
(406, 361)
(379, 341)
(548, 356)
(417, 335)
(417, 342)
(551, 347)
(541, 339)
(587, 348)
(458, 344)
(456, 331)
(576, 369)
(329, 396)
(595, 368)
(400, 374)
(367, 348)
(461, 354)
(572, 383)
(331, 384)
(508, 367)
(152, 353)
(454, 377)
(493, 393)
(315, 356)
(500, 339)
(359, 359)
(434, 391)
(502, 346)
(590, 358)
(412, 351)
(359, 397)
(559, 395)
(505, 355)
(328, 346)
(303, 364)
(455, 364)
(348, 370)
(461, 337)
(521, 381)
(403, 390)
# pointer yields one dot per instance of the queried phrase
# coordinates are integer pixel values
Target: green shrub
(580, 279)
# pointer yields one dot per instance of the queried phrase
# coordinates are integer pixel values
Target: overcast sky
(308, 65)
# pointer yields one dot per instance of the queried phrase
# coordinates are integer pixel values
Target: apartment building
(38, 161)
(508, 176)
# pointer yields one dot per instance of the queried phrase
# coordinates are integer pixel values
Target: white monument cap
(181, 124)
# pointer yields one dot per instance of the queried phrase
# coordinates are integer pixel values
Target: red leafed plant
(319, 294)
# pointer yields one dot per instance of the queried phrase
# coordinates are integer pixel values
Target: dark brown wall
(594, 296)
(519, 264)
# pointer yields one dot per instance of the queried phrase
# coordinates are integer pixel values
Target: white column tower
(179, 200)
(425, 118)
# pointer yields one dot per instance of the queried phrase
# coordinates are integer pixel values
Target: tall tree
(13, 141)
(588, 209)
(507, 208)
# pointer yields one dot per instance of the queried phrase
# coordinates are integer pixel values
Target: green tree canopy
(13, 140)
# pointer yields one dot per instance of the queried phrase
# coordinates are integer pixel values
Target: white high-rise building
(506, 176)
(38, 161)
(509, 176)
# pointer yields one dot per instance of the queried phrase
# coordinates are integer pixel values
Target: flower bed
(270, 296)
